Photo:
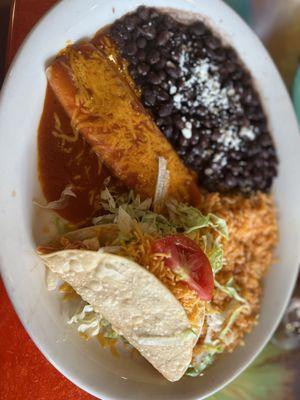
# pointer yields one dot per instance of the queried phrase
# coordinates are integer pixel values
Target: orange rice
(249, 252)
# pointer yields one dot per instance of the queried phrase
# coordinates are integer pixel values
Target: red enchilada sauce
(66, 159)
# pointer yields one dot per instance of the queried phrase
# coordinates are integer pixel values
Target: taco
(134, 301)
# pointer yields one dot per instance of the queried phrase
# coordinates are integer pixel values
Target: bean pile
(202, 98)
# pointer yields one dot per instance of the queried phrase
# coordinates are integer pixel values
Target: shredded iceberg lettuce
(87, 321)
(90, 323)
(205, 359)
(231, 320)
(191, 219)
(126, 208)
(61, 203)
(230, 290)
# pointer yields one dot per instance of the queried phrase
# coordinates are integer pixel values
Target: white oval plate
(86, 364)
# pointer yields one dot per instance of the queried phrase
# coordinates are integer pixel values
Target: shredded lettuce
(206, 358)
(62, 202)
(232, 320)
(216, 257)
(219, 224)
(91, 323)
(230, 290)
(87, 321)
(126, 208)
(191, 219)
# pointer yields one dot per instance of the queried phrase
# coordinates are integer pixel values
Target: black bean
(153, 56)
(148, 31)
(164, 86)
(230, 66)
(195, 138)
(248, 97)
(212, 42)
(165, 110)
(235, 170)
(141, 42)
(237, 75)
(207, 122)
(143, 69)
(215, 136)
(162, 95)
(162, 75)
(223, 74)
(141, 55)
(265, 140)
(258, 115)
(197, 28)
(124, 34)
(264, 154)
(159, 121)
(175, 55)
(166, 121)
(236, 155)
(149, 98)
(246, 78)
(168, 131)
(163, 37)
(143, 12)
(231, 54)
(131, 22)
(217, 55)
(173, 72)
(202, 111)
(133, 60)
(183, 142)
(135, 35)
(155, 15)
(154, 78)
(130, 49)
(160, 64)
(230, 180)
(181, 151)
(178, 121)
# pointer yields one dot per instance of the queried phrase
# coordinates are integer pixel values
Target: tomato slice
(187, 260)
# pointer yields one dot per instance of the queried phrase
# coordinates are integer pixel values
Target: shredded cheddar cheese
(58, 132)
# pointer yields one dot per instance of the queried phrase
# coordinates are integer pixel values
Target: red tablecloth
(24, 373)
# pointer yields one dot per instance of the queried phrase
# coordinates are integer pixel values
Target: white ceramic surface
(86, 364)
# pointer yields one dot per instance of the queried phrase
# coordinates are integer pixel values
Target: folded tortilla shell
(135, 302)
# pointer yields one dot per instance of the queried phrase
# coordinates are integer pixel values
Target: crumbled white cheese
(202, 87)
(214, 325)
(187, 130)
(247, 133)
(229, 138)
(173, 90)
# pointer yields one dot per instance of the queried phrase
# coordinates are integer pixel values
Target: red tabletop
(24, 373)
